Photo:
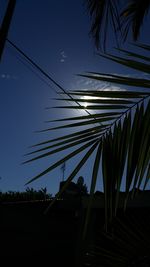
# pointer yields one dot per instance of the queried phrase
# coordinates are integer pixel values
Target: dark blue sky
(56, 36)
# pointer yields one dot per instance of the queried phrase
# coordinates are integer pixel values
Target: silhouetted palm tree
(118, 134)
(117, 137)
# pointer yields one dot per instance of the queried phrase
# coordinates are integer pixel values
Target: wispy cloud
(113, 88)
(81, 83)
(63, 56)
(7, 76)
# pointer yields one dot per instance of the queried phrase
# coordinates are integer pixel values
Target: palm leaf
(122, 154)
(116, 79)
(68, 136)
(92, 188)
(134, 64)
(69, 140)
(147, 177)
(135, 13)
(73, 174)
(103, 14)
(144, 149)
(111, 94)
(107, 15)
(108, 182)
(63, 148)
(75, 125)
(6, 24)
(61, 161)
(101, 101)
(135, 55)
(143, 46)
(97, 115)
(94, 107)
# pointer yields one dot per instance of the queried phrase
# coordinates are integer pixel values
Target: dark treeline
(29, 194)
(73, 190)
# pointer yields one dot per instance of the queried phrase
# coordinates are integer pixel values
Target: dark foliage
(28, 195)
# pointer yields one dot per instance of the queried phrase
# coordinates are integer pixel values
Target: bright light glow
(85, 104)
(86, 98)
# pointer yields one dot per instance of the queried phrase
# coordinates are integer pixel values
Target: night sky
(55, 34)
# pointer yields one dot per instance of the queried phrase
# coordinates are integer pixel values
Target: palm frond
(143, 46)
(131, 63)
(109, 15)
(104, 14)
(135, 13)
(61, 161)
(92, 188)
(6, 24)
(119, 133)
(128, 245)
(68, 136)
(74, 172)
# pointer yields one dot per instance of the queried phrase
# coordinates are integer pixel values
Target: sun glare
(85, 104)
(86, 98)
